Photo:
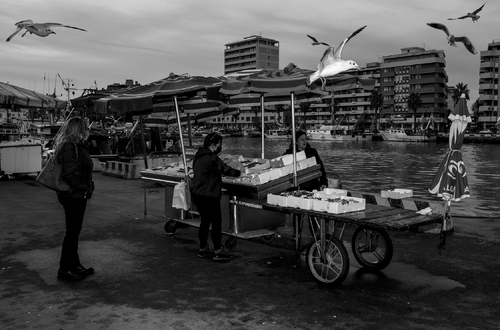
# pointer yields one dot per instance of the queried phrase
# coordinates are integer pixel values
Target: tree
(475, 111)
(414, 102)
(458, 90)
(256, 111)
(304, 107)
(376, 102)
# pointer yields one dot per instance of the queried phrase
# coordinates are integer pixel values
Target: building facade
(489, 113)
(253, 52)
(415, 70)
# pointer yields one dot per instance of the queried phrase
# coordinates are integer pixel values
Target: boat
(337, 133)
(278, 133)
(401, 135)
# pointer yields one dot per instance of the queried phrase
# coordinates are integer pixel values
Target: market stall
(259, 178)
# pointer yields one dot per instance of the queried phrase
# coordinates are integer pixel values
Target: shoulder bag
(51, 175)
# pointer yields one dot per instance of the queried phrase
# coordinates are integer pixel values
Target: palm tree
(460, 89)
(376, 102)
(414, 102)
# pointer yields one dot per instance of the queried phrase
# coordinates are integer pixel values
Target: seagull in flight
(474, 15)
(40, 29)
(332, 63)
(452, 39)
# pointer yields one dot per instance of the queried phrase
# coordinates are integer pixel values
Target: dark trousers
(74, 210)
(210, 214)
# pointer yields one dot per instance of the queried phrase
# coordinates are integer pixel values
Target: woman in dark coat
(77, 168)
(206, 193)
(302, 145)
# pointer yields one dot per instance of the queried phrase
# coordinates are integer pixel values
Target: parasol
(450, 181)
(13, 96)
(194, 94)
(278, 85)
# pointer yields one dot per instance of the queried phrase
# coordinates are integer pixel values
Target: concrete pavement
(147, 280)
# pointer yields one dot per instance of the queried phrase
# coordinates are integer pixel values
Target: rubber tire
(230, 242)
(379, 255)
(170, 227)
(337, 267)
(268, 238)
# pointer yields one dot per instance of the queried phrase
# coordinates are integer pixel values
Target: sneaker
(222, 255)
(205, 252)
(70, 276)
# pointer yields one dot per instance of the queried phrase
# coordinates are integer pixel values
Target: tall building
(415, 70)
(488, 86)
(253, 52)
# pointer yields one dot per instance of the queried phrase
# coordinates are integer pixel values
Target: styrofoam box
(285, 170)
(320, 205)
(299, 202)
(338, 207)
(277, 200)
(397, 193)
(287, 159)
(332, 191)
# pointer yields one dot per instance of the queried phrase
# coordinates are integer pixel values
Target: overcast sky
(146, 40)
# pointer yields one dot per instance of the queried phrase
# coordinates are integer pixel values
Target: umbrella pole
(189, 130)
(262, 123)
(181, 139)
(143, 142)
(295, 184)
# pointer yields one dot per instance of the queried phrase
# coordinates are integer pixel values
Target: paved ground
(146, 280)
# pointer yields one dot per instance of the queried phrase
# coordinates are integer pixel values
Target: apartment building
(414, 70)
(488, 86)
(253, 52)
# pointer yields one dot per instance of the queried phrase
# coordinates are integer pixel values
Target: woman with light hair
(70, 152)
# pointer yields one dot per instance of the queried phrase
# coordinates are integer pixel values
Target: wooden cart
(327, 258)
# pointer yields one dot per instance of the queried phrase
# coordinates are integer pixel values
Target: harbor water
(373, 166)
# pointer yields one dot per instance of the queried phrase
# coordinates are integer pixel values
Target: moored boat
(400, 135)
(337, 133)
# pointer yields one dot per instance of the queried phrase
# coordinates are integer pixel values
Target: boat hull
(399, 136)
(327, 136)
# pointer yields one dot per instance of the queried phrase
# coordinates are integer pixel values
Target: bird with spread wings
(452, 39)
(332, 63)
(474, 15)
(40, 29)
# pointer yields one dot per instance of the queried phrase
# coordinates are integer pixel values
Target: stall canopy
(13, 96)
(195, 94)
(290, 79)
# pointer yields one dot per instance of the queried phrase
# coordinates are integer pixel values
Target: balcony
(488, 97)
(487, 75)
(487, 86)
(487, 65)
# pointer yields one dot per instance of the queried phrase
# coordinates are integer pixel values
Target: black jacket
(77, 169)
(314, 183)
(208, 169)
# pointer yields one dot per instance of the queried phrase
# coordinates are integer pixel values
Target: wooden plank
(374, 216)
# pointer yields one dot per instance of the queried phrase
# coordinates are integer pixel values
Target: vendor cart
(327, 258)
(246, 214)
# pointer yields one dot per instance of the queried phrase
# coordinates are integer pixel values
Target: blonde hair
(74, 130)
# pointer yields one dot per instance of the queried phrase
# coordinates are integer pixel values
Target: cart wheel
(170, 227)
(334, 269)
(268, 238)
(372, 248)
(230, 242)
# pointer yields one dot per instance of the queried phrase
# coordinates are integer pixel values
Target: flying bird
(332, 63)
(452, 39)
(472, 15)
(40, 29)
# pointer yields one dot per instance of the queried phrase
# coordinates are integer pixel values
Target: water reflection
(376, 165)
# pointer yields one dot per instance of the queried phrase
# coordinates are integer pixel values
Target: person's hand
(322, 187)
